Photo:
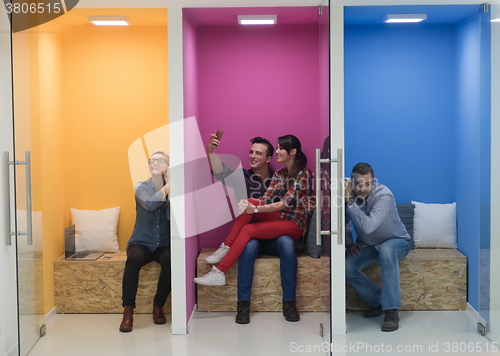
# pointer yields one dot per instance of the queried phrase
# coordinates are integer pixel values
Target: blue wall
(417, 107)
(399, 107)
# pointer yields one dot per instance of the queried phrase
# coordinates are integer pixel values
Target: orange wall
(92, 92)
(115, 91)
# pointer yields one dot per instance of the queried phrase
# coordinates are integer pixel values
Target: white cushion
(96, 230)
(435, 225)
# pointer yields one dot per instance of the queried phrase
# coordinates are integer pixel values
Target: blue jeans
(284, 247)
(389, 254)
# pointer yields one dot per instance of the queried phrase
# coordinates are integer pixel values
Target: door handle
(6, 198)
(339, 162)
(340, 185)
(29, 200)
(6, 201)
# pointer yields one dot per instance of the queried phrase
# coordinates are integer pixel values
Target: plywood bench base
(96, 286)
(312, 285)
(431, 279)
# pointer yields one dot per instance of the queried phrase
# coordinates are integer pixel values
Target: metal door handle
(29, 201)
(6, 198)
(340, 185)
(339, 162)
(6, 201)
(318, 197)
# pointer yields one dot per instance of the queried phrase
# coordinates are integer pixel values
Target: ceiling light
(109, 20)
(392, 18)
(257, 19)
(496, 20)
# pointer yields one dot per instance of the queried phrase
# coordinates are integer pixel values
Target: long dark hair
(289, 142)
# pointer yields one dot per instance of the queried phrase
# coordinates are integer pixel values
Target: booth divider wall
(494, 268)
(190, 78)
(473, 154)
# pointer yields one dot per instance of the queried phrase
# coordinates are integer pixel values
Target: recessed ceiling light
(392, 18)
(257, 19)
(109, 20)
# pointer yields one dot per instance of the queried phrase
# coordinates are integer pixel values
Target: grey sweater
(377, 220)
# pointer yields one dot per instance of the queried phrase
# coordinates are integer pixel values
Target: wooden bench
(431, 279)
(312, 285)
(96, 286)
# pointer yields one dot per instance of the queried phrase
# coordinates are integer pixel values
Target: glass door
(8, 297)
(493, 332)
(21, 303)
(26, 163)
(322, 174)
(330, 170)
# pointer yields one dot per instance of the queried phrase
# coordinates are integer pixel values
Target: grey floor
(216, 333)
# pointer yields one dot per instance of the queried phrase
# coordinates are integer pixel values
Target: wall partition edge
(176, 139)
(337, 141)
(494, 327)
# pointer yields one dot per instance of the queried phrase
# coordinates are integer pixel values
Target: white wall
(176, 139)
(495, 173)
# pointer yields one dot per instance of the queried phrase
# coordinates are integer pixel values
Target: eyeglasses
(159, 160)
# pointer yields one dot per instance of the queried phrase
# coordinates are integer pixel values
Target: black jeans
(137, 257)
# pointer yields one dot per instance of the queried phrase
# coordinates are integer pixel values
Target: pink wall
(258, 81)
(251, 81)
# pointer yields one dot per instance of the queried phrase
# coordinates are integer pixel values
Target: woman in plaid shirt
(283, 210)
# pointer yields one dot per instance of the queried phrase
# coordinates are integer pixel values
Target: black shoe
(243, 312)
(373, 312)
(290, 311)
(391, 320)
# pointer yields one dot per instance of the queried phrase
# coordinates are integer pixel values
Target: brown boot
(158, 316)
(128, 320)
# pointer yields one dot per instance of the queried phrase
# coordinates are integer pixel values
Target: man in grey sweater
(381, 238)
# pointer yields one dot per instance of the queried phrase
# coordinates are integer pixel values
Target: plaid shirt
(296, 198)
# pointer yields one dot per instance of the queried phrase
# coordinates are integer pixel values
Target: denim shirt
(152, 223)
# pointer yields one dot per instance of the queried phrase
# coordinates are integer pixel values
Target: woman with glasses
(150, 240)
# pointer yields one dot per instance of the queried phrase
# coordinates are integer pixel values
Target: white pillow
(96, 230)
(435, 225)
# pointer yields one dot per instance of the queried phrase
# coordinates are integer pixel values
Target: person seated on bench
(279, 224)
(381, 238)
(150, 240)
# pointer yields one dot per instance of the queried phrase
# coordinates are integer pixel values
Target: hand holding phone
(219, 134)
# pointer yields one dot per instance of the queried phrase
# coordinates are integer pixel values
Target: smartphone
(219, 134)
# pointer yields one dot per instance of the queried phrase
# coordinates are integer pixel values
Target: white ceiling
(260, 3)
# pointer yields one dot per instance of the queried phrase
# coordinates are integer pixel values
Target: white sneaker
(218, 255)
(213, 278)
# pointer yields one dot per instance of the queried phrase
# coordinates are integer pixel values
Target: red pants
(269, 226)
